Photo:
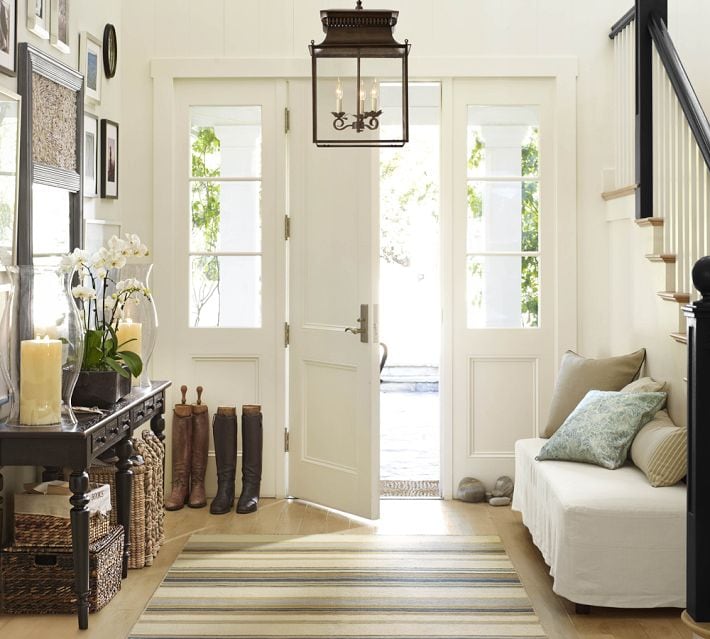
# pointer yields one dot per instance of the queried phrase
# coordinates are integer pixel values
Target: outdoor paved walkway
(409, 435)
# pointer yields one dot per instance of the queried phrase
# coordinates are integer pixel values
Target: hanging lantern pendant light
(354, 36)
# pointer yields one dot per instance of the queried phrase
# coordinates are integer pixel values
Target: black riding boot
(252, 439)
(224, 431)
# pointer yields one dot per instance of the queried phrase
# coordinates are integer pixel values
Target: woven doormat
(409, 488)
(340, 586)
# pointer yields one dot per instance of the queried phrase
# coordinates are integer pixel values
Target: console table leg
(124, 488)
(157, 425)
(79, 486)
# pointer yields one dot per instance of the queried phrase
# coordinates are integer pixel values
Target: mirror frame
(32, 61)
(6, 96)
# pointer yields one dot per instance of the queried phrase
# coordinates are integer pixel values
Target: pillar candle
(129, 330)
(40, 381)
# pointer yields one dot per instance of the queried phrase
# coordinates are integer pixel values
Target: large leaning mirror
(51, 152)
(9, 168)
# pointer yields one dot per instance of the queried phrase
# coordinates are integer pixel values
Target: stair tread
(623, 191)
(650, 221)
(674, 296)
(668, 258)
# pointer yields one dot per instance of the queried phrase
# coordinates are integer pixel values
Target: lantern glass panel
(352, 114)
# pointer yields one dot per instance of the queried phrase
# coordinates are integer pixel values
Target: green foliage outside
(397, 198)
(205, 218)
(530, 279)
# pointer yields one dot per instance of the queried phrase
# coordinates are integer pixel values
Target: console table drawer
(99, 440)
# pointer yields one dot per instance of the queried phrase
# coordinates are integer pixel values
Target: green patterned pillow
(600, 430)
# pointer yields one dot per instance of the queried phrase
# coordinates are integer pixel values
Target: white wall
(91, 16)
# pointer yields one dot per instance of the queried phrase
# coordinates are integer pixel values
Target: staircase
(662, 150)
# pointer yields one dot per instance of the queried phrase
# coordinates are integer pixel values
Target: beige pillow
(645, 385)
(578, 375)
(660, 450)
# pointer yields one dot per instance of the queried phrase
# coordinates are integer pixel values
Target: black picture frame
(33, 63)
(8, 37)
(109, 159)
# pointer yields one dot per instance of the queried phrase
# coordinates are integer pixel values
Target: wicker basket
(34, 529)
(146, 519)
(41, 580)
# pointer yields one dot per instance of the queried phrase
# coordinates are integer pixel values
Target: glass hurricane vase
(45, 345)
(139, 322)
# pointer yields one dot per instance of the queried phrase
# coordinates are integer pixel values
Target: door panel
(505, 315)
(220, 250)
(334, 377)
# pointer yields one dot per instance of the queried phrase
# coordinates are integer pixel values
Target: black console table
(75, 446)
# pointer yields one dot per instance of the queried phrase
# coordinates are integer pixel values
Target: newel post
(644, 103)
(698, 547)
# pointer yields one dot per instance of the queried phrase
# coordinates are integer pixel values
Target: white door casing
(334, 377)
(503, 375)
(236, 366)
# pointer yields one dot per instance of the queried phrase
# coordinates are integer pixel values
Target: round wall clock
(110, 51)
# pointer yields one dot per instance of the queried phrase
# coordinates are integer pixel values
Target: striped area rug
(340, 585)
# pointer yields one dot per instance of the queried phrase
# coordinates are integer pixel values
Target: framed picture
(59, 25)
(91, 155)
(38, 18)
(52, 155)
(109, 159)
(90, 61)
(98, 232)
(8, 36)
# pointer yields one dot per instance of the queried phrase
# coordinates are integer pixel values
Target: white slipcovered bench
(609, 537)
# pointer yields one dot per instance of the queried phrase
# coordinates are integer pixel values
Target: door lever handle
(354, 331)
(362, 330)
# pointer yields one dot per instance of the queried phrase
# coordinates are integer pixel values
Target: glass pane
(226, 216)
(50, 220)
(503, 216)
(225, 292)
(225, 141)
(502, 141)
(503, 291)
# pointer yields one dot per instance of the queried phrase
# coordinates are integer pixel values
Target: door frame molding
(563, 69)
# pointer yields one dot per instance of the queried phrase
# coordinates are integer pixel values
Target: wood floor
(398, 517)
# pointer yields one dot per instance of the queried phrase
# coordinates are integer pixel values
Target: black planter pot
(100, 388)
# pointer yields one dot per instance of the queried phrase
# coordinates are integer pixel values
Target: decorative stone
(499, 501)
(503, 487)
(471, 490)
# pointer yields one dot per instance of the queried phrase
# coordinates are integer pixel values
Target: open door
(334, 374)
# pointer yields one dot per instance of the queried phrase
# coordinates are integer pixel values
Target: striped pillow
(660, 451)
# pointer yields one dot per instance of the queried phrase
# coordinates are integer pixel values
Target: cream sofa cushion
(644, 385)
(660, 450)
(578, 375)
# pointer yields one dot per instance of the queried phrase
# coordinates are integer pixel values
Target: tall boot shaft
(224, 433)
(182, 449)
(200, 447)
(252, 444)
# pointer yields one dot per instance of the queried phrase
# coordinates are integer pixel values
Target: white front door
(334, 375)
(219, 255)
(506, 296)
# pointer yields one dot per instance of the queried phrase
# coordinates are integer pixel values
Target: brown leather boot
(200, 446)
(252, 439)
(182, 442)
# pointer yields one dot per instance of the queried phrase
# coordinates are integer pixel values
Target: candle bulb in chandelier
(374, 95)
(339, 97)
(362, 97)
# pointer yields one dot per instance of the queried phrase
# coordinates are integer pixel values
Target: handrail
(682, 86)
(623, 22)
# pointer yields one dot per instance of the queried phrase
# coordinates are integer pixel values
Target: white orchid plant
(102, 298)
